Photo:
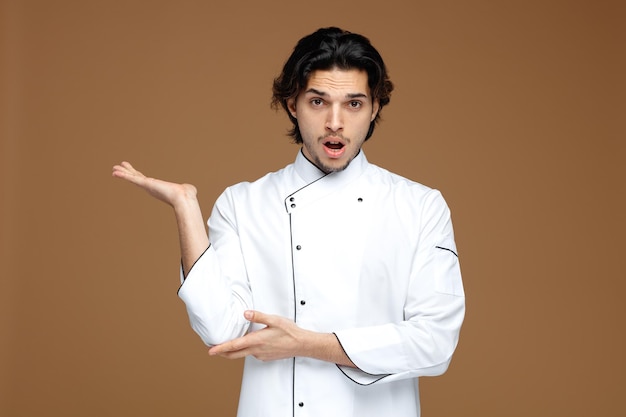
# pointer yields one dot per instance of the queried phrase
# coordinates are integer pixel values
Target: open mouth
(334, 145)
(334, 149)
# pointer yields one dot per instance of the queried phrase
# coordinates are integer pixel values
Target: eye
(317, 102)
(354, 104)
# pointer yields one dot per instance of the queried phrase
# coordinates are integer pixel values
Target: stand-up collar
(309, 172)
(318, 184)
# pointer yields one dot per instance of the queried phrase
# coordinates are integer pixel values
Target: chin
(338, 167)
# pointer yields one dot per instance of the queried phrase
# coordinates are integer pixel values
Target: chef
(337, 280)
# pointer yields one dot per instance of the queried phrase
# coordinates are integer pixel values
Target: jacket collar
(310, 173)
(316, 184)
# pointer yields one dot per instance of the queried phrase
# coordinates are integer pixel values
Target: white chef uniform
(363, 253)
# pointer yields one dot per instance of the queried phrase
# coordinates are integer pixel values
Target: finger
(234, 345)
(233, 355)
(259, 317)
(126, 171)
(127, 165)
(121, 169)
(120, 172)
(128, 176)
(217, 350)
(130, 169)
(227, 352)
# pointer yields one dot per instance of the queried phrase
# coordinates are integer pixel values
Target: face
(334, 113)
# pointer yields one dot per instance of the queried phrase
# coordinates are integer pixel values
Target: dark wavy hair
(325, 49)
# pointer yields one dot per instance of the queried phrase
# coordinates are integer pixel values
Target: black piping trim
(348, 376)
(194, 264)
(295, 316)
(293, 279)
(293, 388)
(342, 348)
(302, 188)
(293, 272)
(313, 163)
(449, 250)
(360, 383)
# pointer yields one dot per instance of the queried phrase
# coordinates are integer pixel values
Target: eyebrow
(349, 95)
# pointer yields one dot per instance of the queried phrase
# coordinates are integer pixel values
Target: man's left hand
(280, 339)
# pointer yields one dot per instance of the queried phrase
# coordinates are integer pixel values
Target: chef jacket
(363, 253)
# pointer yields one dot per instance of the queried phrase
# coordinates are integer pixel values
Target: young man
(337, 280)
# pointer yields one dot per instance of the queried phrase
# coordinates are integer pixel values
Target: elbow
(208, 337)
(216, 331)
(436, 356)
(438, 369)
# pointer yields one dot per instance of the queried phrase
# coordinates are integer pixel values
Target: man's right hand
(183, 198)
(168, 192)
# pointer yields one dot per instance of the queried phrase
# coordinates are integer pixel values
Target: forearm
(325, 347)
(417, 347)
(191, 231)
(281, 338)
(183, 199)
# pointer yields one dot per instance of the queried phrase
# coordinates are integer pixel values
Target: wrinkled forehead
(338, 81)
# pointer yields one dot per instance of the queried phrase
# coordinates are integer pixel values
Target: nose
(334, 118)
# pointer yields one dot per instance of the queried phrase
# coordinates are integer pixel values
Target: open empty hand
(183, 198)
(168, 192)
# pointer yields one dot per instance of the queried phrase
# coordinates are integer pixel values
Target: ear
(375, 109)
(291, 105)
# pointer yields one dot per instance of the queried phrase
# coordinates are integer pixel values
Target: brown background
(514, 109)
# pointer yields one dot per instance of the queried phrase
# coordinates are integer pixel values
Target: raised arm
(183, 199)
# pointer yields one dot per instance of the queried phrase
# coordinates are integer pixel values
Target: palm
(168, 192)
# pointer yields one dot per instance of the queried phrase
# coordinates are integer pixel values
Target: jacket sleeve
(216, 291)
(422, 344)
